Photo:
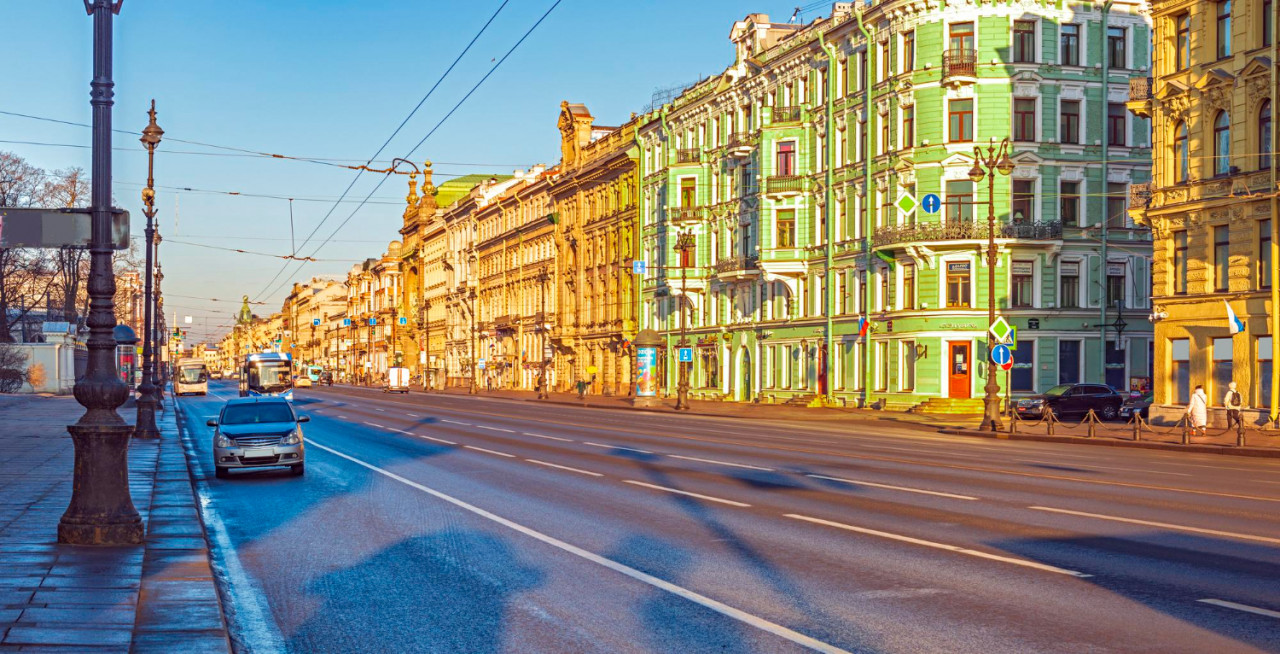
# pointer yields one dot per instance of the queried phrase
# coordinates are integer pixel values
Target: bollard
(1240, 433)
(1049, 417)
(1092, 419)
(1137, 426)
(1013, 423)
(1186, 433)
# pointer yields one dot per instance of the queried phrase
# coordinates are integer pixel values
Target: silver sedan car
(258, 432)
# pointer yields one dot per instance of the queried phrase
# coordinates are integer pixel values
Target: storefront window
(1180, 369)
(1022, 376)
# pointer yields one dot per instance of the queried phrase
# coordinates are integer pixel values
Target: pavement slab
(60, 598)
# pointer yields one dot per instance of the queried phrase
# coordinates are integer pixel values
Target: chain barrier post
(1240, 432)
(1186, 431)
(1092, 419)
(1137, 426)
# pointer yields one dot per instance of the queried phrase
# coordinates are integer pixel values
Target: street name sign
(931, 203)
(57, 228)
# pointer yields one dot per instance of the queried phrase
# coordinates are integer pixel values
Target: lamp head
(1005, 165)
(151, 133)
(976, 173)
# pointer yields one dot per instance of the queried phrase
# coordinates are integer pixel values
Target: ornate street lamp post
(996, 160)
(685, 244)
(424, 320)
(475, 345)
(161, 328)
(146, 420)
(101, 512)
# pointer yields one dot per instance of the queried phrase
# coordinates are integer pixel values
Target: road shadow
(1187, 568)
(448, 591)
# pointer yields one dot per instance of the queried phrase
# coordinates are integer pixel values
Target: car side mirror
(304, 418)
(212, 422)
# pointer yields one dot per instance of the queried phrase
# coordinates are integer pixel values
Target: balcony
(965, 231)
(737, 267)
(740, 144)
(786, 115)
(960, 63)
(685, 214)
(1139, 196)
(1140, 96)
(784, 185)
(688, 155)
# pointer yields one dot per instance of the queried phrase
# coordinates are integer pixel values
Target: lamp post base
(101, 511)
(146, 421)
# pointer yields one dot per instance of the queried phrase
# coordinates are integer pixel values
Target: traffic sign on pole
(639, 266)
(315, 321)
(907, 204)
(1000, 329)
(686, 355)
(1001, 356)
(931, 203)
(373, 321)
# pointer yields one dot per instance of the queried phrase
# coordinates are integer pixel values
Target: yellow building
(595, 190)
(1211, 205)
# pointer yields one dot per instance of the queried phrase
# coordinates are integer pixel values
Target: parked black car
(1073, 400)
(326, 378)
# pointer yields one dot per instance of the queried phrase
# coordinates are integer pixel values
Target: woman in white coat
(1198, 410)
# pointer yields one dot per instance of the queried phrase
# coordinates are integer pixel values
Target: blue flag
(1235, 325)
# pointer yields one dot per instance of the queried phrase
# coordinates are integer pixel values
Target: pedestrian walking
(1198, 410)
(1234, 403)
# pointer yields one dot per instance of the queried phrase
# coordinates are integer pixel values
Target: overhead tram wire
(437, 127)
(360, 172)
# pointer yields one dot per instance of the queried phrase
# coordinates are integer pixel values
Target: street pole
(161, 327)
(146, 418)
(995, 161)
(475, 347)
(101, 511)
(685, 243)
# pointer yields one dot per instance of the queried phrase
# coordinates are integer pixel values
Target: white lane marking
(1242, 607)
(412, 415)
(936, 545)
(616, 447)
(702, 600)
(455, 422)
(556, 465)
(481, 449)
(379, 410)
(374, 424)
(723, 463)
(430, 438)
(1165, 525)
(509, 431)
(680, 492)
(550, 438)
(897, 488)
(342, 417)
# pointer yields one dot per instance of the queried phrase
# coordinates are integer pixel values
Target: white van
(192, 377)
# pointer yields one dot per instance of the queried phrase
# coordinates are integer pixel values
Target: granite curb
(1196, 448)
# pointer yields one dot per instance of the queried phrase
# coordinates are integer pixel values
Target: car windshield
(1058, 390)
(260, 412)
(269, 376)
(191, 374)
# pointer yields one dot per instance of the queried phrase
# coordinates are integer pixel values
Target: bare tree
(26, 275)
(68, 188)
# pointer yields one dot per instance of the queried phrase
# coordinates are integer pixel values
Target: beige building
(595, 223)
(307, 309)
(1211, 204)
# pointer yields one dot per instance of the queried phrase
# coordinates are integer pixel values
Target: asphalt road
(430, 523)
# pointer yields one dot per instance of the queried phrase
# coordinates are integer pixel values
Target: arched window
(1182, 171)
(1221, 144)
(1264, 135)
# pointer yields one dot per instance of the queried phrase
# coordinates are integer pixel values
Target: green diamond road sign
(907, 203)
(1000, 329)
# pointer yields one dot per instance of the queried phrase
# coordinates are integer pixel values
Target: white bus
(192, 377)
(267, 373)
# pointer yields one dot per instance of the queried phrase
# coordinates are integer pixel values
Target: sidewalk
(1258, 442)
(155, 597)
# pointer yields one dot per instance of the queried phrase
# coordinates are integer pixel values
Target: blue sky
(330, 79)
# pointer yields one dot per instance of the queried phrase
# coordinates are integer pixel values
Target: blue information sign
(686, 355)
(315, 321)
(373, 321)
(639, 266)
(1001, 355)
(403, 320)
(931, 203)
(346, 322)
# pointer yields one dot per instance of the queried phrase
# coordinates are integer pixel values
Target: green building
(821, 273)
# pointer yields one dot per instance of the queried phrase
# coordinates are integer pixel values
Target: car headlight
(292, 438)
(221, 441)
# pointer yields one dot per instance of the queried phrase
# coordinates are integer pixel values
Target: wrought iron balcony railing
(685, 214)
(962, 62)
(965, 231)
(786, 114)
(1139, 196)
(688, 155)
(1139, 89)
(736, 263)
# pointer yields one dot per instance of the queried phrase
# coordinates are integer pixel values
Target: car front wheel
(221, 473)
(1109, 412)
(298, 469)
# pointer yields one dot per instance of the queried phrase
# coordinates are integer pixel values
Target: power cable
(360, 172)
(434, 129)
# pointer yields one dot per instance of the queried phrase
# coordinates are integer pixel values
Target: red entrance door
(958, 357)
